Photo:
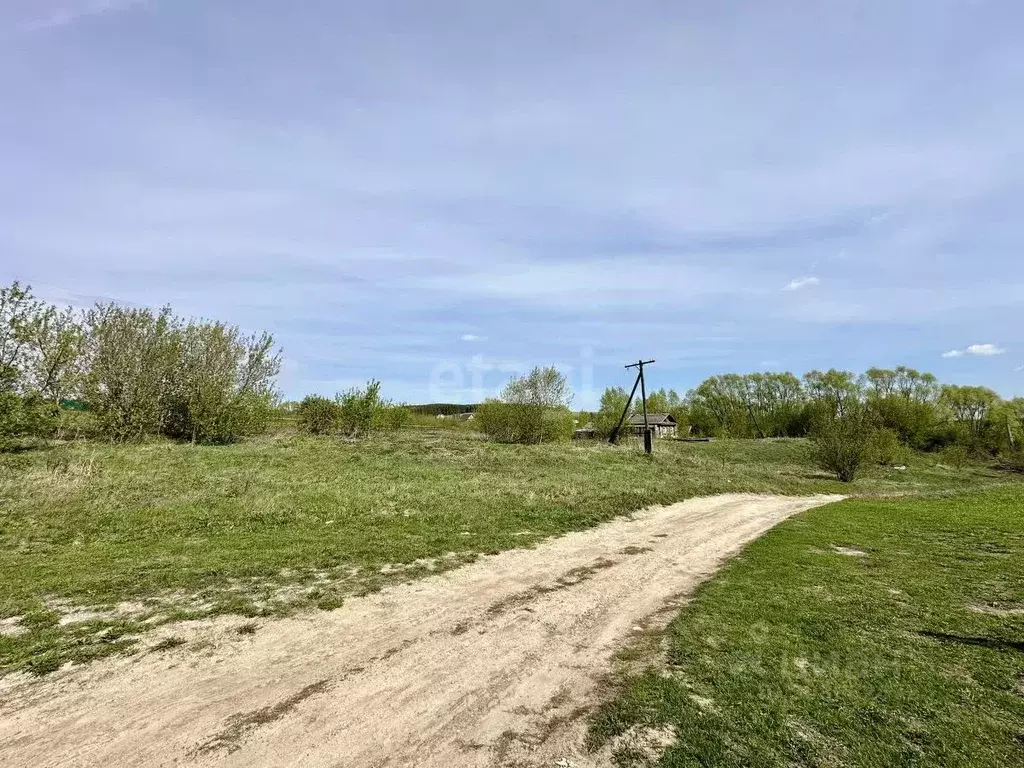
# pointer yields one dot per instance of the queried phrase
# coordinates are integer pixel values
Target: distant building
(662, 424)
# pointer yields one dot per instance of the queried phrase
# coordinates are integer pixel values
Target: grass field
(868, 633)
(99, 542)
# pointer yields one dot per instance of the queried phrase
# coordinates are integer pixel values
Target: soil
(496, 663)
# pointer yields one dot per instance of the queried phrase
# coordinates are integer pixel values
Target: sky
(440, 195)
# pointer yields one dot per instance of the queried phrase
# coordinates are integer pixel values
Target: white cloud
(71, 12)
(473, 337)
(801, 282)
(976, 350)
(985, 350)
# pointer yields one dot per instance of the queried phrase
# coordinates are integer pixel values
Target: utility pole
(648, 442)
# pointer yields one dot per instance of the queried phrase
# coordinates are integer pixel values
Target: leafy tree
(25, 409)
(18, 311)
(842, 440)
(545, 387)
(718, 407)
(532, 409)
(131, 355)
(904, 401)
(832, 392)
(613, 403)
(775, 404)
(969, 407)
(223, 383)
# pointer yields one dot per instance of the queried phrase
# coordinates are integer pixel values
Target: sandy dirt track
(493, 664)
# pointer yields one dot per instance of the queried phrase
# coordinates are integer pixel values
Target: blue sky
(438, 194)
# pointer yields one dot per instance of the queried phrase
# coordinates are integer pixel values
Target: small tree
(842, 444)
(131, 356)
(613, 403)
(532, 409)
(223, 385)
(57, 339)
(545, 387)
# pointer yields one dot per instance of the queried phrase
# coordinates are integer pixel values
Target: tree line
(135, 372)
(849, 416)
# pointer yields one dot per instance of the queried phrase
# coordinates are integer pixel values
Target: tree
(357, 408)
(613, 403)
(131, 355)
(904, 400)
(969, 408)
(545, 387)
(842, 441)
(18, 310)
(532, 409)
(718, 407)
(222, 386)
(24, 411)
(57, 339)
(832, 392)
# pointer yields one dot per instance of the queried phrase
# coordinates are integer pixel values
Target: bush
(523, 422)
(222, 387)
(26, 416)
(390, 417)
(886, 448)
(353, 413)
(318, 415)
(358, 407)
(956, 455)
(841, 445)
(77, 424)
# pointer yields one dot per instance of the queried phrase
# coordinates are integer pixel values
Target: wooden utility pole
(648, 442)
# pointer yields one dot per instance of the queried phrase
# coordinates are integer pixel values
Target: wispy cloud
(976, 350)
(801, 282)
(527, 207)
(70, 12)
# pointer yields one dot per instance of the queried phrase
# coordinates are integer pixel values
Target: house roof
(654, 419)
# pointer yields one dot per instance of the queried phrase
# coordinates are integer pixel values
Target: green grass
(150, 533)
(796, 654)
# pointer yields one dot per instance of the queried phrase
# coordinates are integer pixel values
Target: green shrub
(318, 415)
(841, 445)
(358, 407)
(956, 455)
(390, 417)
(886, 448)
(222, 387)
(26, 416)
(523, 422)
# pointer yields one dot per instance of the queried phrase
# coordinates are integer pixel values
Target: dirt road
(492, 664)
